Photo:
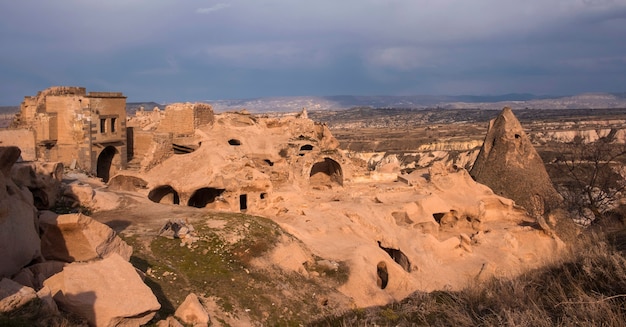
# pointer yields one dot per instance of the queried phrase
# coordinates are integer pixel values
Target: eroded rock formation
(509, 164)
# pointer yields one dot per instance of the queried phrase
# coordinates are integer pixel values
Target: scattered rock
(76, 237)
(179, 229)
(14, 295)
(34, 275)
(43, 179)
(192, 312)
(108, 292)
(78, 193)
(169, 322)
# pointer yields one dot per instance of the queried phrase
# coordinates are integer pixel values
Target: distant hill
(489, 102)
(9, 109)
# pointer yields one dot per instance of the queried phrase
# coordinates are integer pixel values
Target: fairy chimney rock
(509, 164)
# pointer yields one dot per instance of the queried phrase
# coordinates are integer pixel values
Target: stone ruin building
(79, 129)
(187, 155)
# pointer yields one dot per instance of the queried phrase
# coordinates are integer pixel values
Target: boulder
(108, 292)
(8, 157)
(509, 164)
(192, 312)
(78, 193)
(19, 239)
(14, 295)
(169, 322)
(43, 179)
(34, 275)
(76, 237)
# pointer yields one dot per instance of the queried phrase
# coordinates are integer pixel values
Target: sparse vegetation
(589, 176)
(588, 288)
(220, 266)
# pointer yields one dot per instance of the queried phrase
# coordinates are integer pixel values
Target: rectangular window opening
(103, 125)
(113, 121)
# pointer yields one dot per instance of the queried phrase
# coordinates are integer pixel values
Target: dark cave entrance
(243, 202)
(203, 196)
(164, 194)
(105, 163)
(326, 172)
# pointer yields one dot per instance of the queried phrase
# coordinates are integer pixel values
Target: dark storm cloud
(192, 50)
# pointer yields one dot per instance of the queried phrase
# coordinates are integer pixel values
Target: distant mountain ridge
(341, 102)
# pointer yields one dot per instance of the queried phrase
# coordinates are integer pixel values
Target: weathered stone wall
(69, 118)
(203, 115)
(178, 120)
(159, 149)
(21, 138)
(109, 116)
(73, 127)
(142, 142)
(183, 118)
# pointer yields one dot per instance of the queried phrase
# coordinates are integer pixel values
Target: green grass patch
(218, 265)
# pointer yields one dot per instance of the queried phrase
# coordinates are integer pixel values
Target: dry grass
(587, 289)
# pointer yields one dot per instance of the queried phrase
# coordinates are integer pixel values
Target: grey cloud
(213, 8)
(359, 46)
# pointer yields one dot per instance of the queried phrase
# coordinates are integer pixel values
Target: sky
(195, 50)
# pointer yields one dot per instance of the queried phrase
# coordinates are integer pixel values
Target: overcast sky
(190, 50)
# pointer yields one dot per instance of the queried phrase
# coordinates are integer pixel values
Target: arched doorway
(105, 166)
(164, 194)
(201, 197)
(326, 172)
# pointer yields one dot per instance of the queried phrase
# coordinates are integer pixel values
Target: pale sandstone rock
(76, 237)
(80, 193)
(192, 312)
(8, 157)
(34, 275)
(108, 292)
(45, 295)
(14, 295)
(19, 239)
(43, 179)
(169, 322)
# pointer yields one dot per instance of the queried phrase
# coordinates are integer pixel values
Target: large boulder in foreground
(76, 237)
(108, 292)
(43, 179)
(19, 239)
(509, 164)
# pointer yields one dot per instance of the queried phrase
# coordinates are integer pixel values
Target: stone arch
(203, 196)
(164, 194)
(105, 167)
(326, 172)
